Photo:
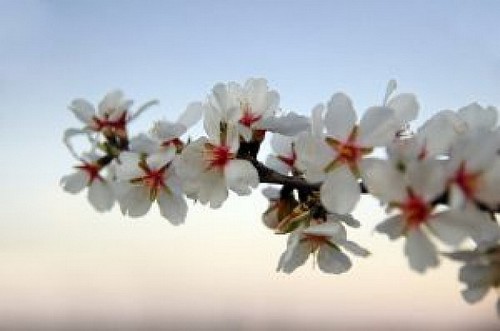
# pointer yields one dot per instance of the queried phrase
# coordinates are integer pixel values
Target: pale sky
(65, 264)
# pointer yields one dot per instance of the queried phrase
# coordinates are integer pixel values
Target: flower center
(154, 179)
(110, 127)
(348, 152)
(415, 210)
(467, 181)
(248, 118)
(218, 156)
(92, 171)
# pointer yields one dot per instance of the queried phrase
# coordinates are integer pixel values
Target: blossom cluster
(439, 183)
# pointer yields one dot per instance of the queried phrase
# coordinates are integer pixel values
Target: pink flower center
(92, 171)
(415, 210)
(248, 117)
(467, 181)
(154, 179)
(218, 156)
(108, 127)
(348, 152)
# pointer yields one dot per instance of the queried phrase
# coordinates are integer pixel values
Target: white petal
(383, 180)
(478, 117)
(191, 115)
(447, 228)
(346, 218)
(489, 190)
(475, 275)
(281, 144)
(75, 182)
(245, 132)
(100, 195)
(277, 165)
(331, 229)
(393, 227)
(240, 176)
(313, 155)
(437, 134)
(211, 124)
(475, 294)
(405, 105)
(137, 202)
(158, 160)
(427, 179)
(420, 251)
(129, 166)
(332, 260)
(378, 127)
(340, 191)
(143, 144)
(354, 248)
(317, 125)
(340, 117)
(83, 110)
(173, 207)
(212, 189)
(294, 257)
(288, 125)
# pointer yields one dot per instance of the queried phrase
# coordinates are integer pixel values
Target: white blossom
(89, 175)
(335, 158)
(324, 240)
(151, 178)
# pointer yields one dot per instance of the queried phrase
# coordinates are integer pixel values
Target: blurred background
(65, 266)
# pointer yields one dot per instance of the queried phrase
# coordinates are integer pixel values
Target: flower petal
(340, 117)
(240, 176)
(101, 195)
(294, 257)
(136, 201)
(447, 227)
(427, 178)
(332, 260)
(393, 227)
(340, 191)
(158, 160)
(173, 207)
(191, 115)
(378, 127)
(75, 182)
(405, 106)
(383, 180)
(83, 110)
(277, 165)
(478, 117)
(475, 294)
(420, 251)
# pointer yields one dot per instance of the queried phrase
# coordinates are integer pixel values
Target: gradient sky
(64, 263)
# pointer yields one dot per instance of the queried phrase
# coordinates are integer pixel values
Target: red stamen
(415, 210)
(218, 156)
(248, 117)
(92, 171)
(466, 181)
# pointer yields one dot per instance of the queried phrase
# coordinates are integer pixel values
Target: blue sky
(447, 52)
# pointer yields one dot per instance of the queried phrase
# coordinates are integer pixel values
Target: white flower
(474, 172)
(88, 174)
(112, 115)
(335, 159)
(480, 273)
(324, 240)
(476, 117)
(208, 166)
(284, 158)
(149, 179)
(281, 207)
(244, 106)
(412, 194)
